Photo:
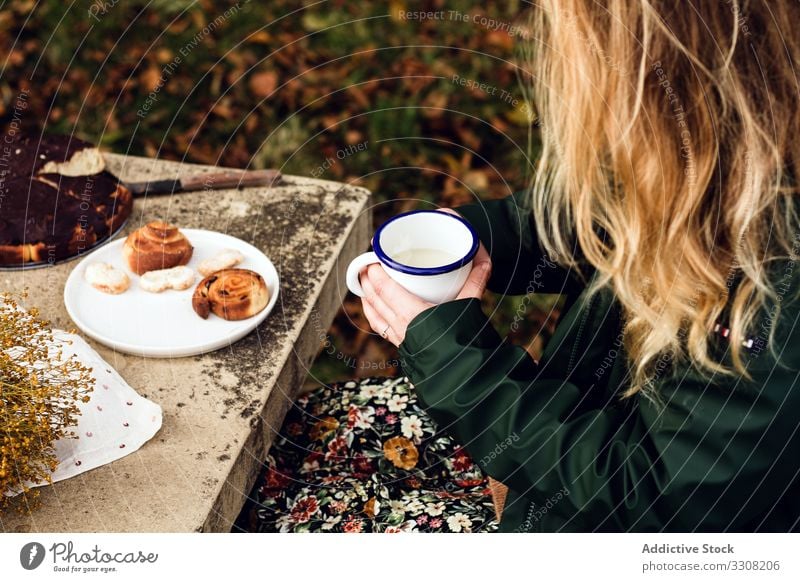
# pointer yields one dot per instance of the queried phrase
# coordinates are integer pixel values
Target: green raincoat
(717, 453)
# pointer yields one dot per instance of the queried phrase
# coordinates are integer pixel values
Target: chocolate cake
(48, 217)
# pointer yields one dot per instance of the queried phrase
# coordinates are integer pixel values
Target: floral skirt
(364, 457)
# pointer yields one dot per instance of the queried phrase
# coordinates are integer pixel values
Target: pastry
(155, 246)
(58, 154)
(48, 218)
(232, 294)
(84, 162)
(224, 259)
(57, 199)
(177, 278)
(107, 278)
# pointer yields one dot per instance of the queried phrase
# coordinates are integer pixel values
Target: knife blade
(211, 181)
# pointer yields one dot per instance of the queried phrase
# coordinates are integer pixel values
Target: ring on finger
(384, 333)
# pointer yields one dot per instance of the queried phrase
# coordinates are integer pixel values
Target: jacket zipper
(579, 335)
(528, 523)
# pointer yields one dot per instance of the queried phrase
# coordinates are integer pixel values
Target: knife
(212, 181)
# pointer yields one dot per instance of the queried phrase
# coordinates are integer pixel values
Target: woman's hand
(390, 308)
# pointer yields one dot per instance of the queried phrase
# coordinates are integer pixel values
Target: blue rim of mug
(388, 261)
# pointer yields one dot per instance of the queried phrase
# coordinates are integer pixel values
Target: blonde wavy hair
(670, 149)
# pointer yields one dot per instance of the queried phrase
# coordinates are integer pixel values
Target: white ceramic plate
(162, 324)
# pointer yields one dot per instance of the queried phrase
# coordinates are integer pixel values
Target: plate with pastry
(171, 292)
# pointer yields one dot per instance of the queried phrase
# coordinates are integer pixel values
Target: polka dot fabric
(114, 423)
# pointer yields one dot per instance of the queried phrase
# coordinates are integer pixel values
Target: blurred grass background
(289, 85)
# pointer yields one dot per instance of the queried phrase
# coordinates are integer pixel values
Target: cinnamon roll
(232, 294)
(156, 246)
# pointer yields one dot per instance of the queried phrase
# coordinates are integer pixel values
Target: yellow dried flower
(38, 400)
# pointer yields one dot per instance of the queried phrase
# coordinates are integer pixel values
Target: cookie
(224, 259)
(177, 278)
(107, 278)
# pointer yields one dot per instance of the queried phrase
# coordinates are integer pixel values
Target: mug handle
(354, 270)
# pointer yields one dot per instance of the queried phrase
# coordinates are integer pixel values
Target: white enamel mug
(425, 232)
